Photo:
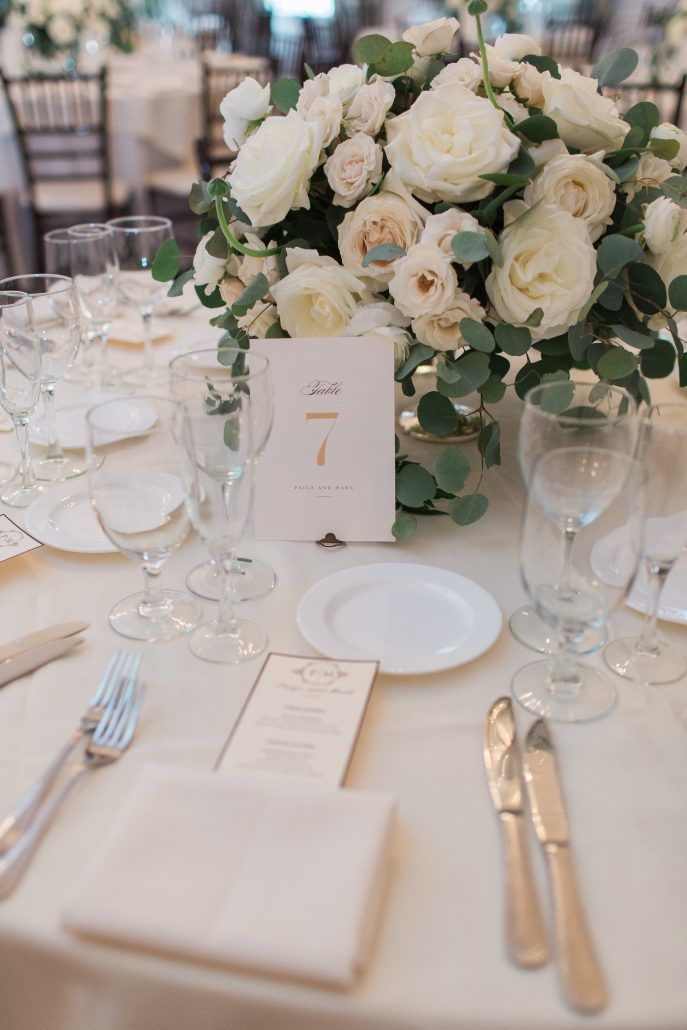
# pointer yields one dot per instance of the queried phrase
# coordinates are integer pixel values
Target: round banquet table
(439, 961)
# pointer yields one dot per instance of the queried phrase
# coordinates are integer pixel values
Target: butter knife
(525, 932)
(581, 976)
(27, 661)
(41, 636)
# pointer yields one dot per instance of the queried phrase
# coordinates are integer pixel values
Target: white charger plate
(123, 420)
(411, 618)
(64, 518)
(672, 605)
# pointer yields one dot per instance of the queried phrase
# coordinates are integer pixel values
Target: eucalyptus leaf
(419, 353)
(543, 64)
(675, 188)
(658, 362)
(383, 252)
(677, 293)
(451, 469)
(579, 338)
(526, 378)
(558, 397)
(513, 339)
(493, 390)
(523, 165)
(177, 287)
(404, 525)
(465, 510)
(165, 266)
(396, 60)
(489, 444)
(535, 318)
(616, 363)
(615, 252)
(642, 341)
(275, 332)
(284, 94)
(436, 414)
(537, 128)
(414, 485)
(217, 246)
(469, 246)
(474, 371)
(613, 296)
(371, 48)
(666, 149)
(644, 114)
(682, 364)
(647, 288)
(477, 335)
(200, 200)
(627, 170)
(597, 292)
(256, 289)
(494, 249)
(614, 68)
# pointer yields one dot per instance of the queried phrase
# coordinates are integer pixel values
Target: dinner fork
(110, 740)
(124, 665)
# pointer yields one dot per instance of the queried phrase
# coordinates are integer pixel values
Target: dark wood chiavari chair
(572, 44)
(324, 46)
(213, 153)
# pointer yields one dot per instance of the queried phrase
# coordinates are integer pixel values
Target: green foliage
(477, 335)
(614, 68)
(419, 353)
(436, 414)
(451, 469)
(414, 485)
(470, 246)
(284, 94)
(489, 444)
(512, 339)
(466, 510)
(165, 265)
(473, 368)
(404, 526)
(617, 363)
(537, 128)
(615, 252)
(382, 56)
(658, 362)
(677, 293)
(256, 289)
(383, 252)
(543, 64)
(177, 287)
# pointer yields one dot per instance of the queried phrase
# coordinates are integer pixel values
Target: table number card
(300, 721)
(13, 540)
(329, 463)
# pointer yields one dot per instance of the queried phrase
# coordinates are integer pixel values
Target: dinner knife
(581, 976)
(525, 932)
(27, 661)
(41, 636)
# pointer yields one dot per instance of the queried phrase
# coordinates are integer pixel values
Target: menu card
(329, 464)
(300, 721)
(13, 540)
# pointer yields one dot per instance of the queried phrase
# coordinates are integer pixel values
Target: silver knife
(581, 976)
(525, 932)
(27, 661)
(41, 636)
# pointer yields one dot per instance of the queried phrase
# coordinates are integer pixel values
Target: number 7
(330, 416)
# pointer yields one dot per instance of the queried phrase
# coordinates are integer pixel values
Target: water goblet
(593, 492)
(229, 370)
(562, 413)
(137, 239)
(138, 498)
(662, 447)
(20, 387)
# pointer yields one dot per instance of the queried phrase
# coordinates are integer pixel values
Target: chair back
(572, 44)
(324, 43)
(218, 80)
(668, 96)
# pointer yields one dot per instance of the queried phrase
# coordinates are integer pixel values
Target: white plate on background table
(125, 419)
(672, 606)
(411, 618)
(64, 518)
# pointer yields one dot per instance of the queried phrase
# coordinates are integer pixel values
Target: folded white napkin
(283, 881)
(128, 328)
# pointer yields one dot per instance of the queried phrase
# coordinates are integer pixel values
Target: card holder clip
(330, 540)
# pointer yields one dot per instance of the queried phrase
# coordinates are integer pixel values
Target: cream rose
(434, 37)
(261, 317)
(383, 218)
(669, 264)
(501, 69)
(440, 229)
(464, 71)
(442, 331)
(651, 171)
(585, 119)
(207, 270)
(318, 299)
(546, 151)
(248, 102)
(383, 319)
(344, 81)
(671, 132)
(317, 103)
(424, 281)
(513, 46)
(574, 183)
(353, 168)
(369, 108)
(446, 141)
(549, 262)
(231, 289)
(664, 222)
(272, 172)
(516, 110)
(527, 85)
(251, 266)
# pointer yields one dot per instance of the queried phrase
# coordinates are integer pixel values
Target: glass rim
(224, 370)
(71, 234)
(135, 223)
(20, 295)
(573, 420)
(41, 276)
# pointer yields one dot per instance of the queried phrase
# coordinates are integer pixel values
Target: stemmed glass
(226, 369)
(137, 239)
(87, 254)
(593, 492)
(20, 387)
(57, 320)
(562, 413)
(138, 497)
(218, 477)
(663, 453)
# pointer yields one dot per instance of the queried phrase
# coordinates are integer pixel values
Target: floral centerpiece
(493, 211)
(55, 27)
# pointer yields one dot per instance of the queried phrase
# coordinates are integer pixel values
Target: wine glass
(218, 477)
(138, 497)
(562, 413)
(592, 492)
(137, 239)
(20, 387)
(227, 370)
(86, 253)
(57, 320)
(662, 451)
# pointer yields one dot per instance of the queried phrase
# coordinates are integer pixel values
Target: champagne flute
(20, 387)
(593, 492)
(57, 320)
(137, 239)
(662, 449)
(562, 413)
(138, 497)
(229, 370)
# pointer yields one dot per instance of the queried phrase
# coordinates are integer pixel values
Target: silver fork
(124, 665)
(110, 740)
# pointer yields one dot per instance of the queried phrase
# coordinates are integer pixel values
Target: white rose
(585, 119)
(440, 229)
(651, 171)
(664, 222)
(402, 341)
(231, 289)
(383, 319)
(353, 168)
(383, 218)
(435, 37)
(446, 141)
(464, 71)
(249, 267)
(516, 110)
(369, 108)
(424, 281)
(442, 331)
(318, 299)
(582, 188)
(344, 81)
(669, 264)
(62, 30)
(513, 46)
(272, 172)
(317, 103)
(547, 151)
(207, 270)
(527, 85)
(501, 70)
(549, 262)
(261, 317)
(671, 132)
(248, 102)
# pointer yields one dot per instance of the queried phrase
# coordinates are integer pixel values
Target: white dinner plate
(672, 606)
(411, 618)
(124, 419)
(63, 518)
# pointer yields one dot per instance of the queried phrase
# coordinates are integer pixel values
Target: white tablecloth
(439, 961)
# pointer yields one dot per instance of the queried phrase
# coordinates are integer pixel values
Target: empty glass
(57, 320)
(662, 451)
(138, 497)
(229, 370)
(592, 493)
(20, 387)
(557, 414)
(137, 240)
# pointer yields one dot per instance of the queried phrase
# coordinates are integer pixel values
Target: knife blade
(525, 932)
(27, 661)
(41, 636)
(579, 969)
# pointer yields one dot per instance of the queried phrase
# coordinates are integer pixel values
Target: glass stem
(226, 617)
(26, 473)
(568, 541)
(54, 449)
(565, 679)
(148, 345)
(153, 604)
(648, 643)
